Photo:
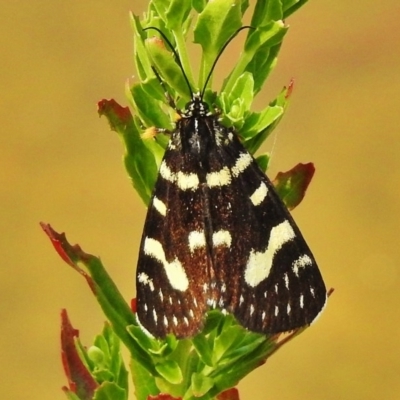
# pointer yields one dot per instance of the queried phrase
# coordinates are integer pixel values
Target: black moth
(218, 236)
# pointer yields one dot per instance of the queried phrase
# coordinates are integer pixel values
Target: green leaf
(201, 384)
(170, 371)
(263, 161)
(143, 380)
(158, 9)
(177, 13)
(263, 63)
(146, 342)
(139, 161)
(265, 36)
(267, 11)
(257, 48)
(166, 65)
(218, 21)
(243, 89)
(224, 341)
(237, 103)
(256, 125)
(142, 60)
(110, 391)
(204, 350)
(147, 107)
(290, 6)
(199, 5)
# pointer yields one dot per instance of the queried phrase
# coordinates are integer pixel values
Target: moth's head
(196, 107)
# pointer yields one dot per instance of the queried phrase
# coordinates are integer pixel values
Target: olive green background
(60, 163)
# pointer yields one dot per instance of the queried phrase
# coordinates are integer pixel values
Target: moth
(217, 235)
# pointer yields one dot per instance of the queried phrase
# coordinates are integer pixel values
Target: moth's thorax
(198, 131)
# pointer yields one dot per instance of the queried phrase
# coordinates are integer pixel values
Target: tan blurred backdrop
(60, 163)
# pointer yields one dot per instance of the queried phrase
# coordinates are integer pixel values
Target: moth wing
(267, 276)
(173, 264)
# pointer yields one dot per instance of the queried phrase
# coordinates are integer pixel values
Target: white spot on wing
(244, 160)
(166, 173)
(222, 238)
(259, 263)
(160, 206)
(196, 240)
(212, 303)
(288, 308)
(187, 181)
(276, 311)
(286, 281)
(301, 262)
(184, 181)
(175, 320)
(259, 194)
(301, 301)
(219, 178)
(251, 310)
(175, 272)
(155, 316)
(165, 321)
(144, 278)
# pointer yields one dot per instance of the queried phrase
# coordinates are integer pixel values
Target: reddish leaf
(292, 185)
(289, 89)
(118, 116)
(163, 396)
(230, 394)
(133, 305)
(80, 380)
(70, 254)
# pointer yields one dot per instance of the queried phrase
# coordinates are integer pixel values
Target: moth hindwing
(218, 236)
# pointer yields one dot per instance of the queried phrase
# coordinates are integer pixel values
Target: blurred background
(60, 163)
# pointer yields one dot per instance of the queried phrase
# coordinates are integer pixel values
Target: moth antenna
(175, 55)
(218, 57)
